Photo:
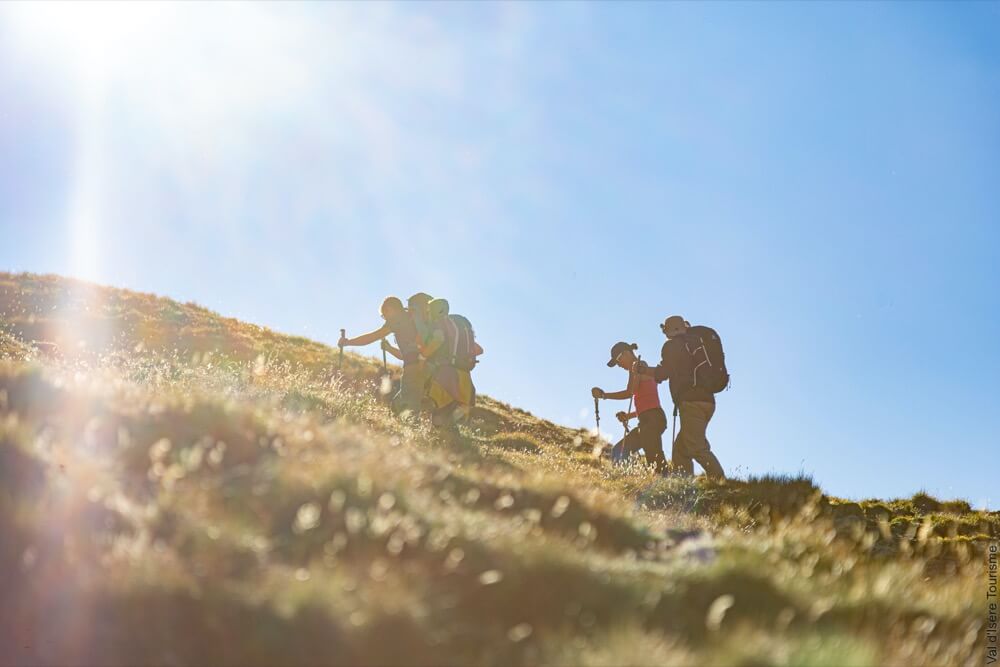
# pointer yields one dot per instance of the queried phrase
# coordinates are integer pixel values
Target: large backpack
(444, 354)
(708, 361)
(464, 349)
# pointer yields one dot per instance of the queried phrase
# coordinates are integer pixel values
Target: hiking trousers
(648, 436)
(692, 443)
(411, 389)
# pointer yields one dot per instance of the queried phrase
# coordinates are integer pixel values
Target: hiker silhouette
(438, 351)
(642, 391)
(399, 323)
(693, 362)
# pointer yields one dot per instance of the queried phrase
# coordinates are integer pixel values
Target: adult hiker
(648, 435)
(417, 306)
(693, 361)
(399, 323)
(450, 388)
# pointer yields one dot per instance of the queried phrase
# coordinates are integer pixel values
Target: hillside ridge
(220, 476)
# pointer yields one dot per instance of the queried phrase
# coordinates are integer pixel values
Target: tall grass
(188, 489)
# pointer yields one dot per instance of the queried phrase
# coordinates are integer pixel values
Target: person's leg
(467, 393)
(626, 447)
(411, 390)
(652, 424)
(711, 465)
(680, 460)
(695, 416)
(707, 459)
(396, 404)
(632, 442)
(444, 417)
(618, 453)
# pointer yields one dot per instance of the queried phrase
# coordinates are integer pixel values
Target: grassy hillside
(181, 488)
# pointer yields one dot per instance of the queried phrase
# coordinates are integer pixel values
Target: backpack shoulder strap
(453, 330)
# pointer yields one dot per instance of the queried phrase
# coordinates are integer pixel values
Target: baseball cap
(617, 349)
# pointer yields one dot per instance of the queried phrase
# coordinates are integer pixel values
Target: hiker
(641, 389)
(695, 377)
(450, 387)
(399, 323)
(417, 307)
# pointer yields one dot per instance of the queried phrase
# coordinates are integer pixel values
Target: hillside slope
(181, 488)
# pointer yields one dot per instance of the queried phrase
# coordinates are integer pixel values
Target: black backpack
(708, 361)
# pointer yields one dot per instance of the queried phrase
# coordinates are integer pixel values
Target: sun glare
(87, 37)
(85, 44)
(160, 97)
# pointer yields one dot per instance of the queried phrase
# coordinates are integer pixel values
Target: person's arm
(659, 373)
(365, 339)
(627, 392)
(662, 372)
(436, 341)
(623, 417)
(597, 392)
(394, 351)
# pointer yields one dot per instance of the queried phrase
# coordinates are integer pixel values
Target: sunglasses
(619, 355)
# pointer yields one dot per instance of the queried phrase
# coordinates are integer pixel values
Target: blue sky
(819, 182)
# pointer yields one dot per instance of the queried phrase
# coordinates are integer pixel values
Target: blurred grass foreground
(181, 488)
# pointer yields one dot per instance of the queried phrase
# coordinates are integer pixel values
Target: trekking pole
(630, 398)
(385, 366)
(597, 417)
(340, 362)
(673, 432)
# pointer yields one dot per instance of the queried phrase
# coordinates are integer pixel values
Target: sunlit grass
(195, 490)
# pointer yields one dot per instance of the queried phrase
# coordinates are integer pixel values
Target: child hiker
(642, 390)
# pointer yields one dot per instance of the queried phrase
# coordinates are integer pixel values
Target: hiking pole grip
(340, 362)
